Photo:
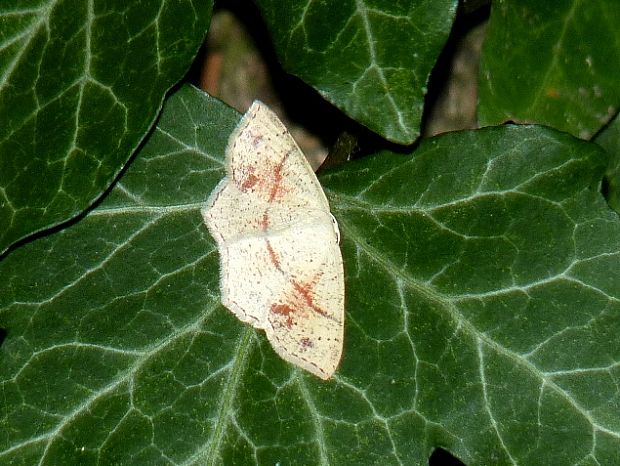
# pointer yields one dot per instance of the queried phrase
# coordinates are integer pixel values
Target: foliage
(482, 267)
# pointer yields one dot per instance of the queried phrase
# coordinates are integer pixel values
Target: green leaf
(609, 139)
(371, 59)
(482, 315)
(555, 62)
(81, 84)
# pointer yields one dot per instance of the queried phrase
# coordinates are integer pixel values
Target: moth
(281, 267)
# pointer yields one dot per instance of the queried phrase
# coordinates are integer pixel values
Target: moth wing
(281, 267)
(264, 161)
(305, 322)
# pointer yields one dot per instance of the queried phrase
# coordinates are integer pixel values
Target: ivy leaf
(554, 62)
(609, 139)
(371, 59)
(81, 84)
(482, 315)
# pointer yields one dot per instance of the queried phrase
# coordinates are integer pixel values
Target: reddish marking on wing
(297, 301)
(307, 343)
(277, 188)
(273, 256)
(276, 184)
(264, 223)
(245, 178)
(249, 182)
(305, 291)
(286, 311)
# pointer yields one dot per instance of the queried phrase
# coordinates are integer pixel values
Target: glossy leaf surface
(555, 63)
(80, 85)
(371, 59)
(482, 315)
